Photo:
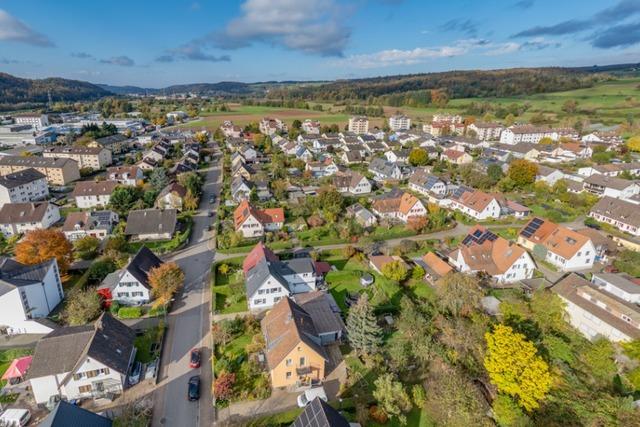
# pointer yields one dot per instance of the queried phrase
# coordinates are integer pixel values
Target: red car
(194, 360)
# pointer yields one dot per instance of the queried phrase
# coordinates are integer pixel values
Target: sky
(159, 43)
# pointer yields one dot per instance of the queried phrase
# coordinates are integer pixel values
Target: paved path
(189, 325)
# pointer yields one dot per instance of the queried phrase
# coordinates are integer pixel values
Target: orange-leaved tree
(41, 245)
(165, 281)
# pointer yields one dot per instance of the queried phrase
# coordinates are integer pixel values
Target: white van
(15, 418)
(305, 398)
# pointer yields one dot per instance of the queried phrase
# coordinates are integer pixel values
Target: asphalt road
(189, 326)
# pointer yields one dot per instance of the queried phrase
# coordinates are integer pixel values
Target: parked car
(134, 376)
(193, 391)
(212, 199)
(15, 418)
(210, 214)
(305, 398)
(194, 360)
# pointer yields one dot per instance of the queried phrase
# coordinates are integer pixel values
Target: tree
(165, 281)
(633, 143)
(297, 124)
(123, 199)
(546, 141)
(494, 172)
(224, 269)
(507, 413)
(417, 273)
(223, 385)
(100, 269)
(86, 247)
(192, 181)
(599, 361)
(548, 311)
(41, 245)
(83, 306)
(190, 201)
(458, 294)
(522, 172)
(365, 336)
(392, 397)
(570, 106)
(395, 270)
(158, 179)
(202, 137)
(509, 120)
(515, 368)
(418, 157)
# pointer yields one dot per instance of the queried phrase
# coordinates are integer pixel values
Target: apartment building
(38, 121)
(399, 122)
(486, 131)
(18, 218)
(358, 124)
(96, 158)
(28, 185)
(57, 171)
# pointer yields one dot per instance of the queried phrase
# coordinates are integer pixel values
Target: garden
(228, 288)
(149, 344)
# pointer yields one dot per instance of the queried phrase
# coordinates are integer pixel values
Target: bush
(378, 415)
(419, 395)
(114, 308)
(130, 312)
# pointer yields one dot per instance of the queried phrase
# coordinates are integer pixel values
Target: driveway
(189, 325)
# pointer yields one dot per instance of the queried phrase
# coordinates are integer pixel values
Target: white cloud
(123, 61)
(313, 26)
(12, 29)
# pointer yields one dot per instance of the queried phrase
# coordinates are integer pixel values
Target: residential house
(303, 154)
(253, 222)
(95, 158)
(482, 251)
(249, 154)
(147, 164)
(92, 194)
(130, 285)
(83, 362)
(378, 262)
(270, 126)
(399, 122)
(456, 157)
(311, 127)
(323, 145)
(549, 175)
(387, 171)
(172, 197)
(65, 414)
(151, 224)
(358, 124)
(294, 353)
(621, 285)
(117, 143)
(241, 188)
(427, 184)
(28, 293)
(231, 130)
(521, 150)
(475, 203)
(566, 249)
(98, 224)
(322, 168)
(434, 267)
(374, 147)
(398, 205)
(27, 185)
(398, 156)
(486, 131)
(362, 215)
(351, 182)
(125, 175)
(57, 171)
(618, 188)
(243, 170)
(611, 169)
(18, 218)
(352, 157)
(622, 214)
(599, 308)
(603, 137)
(319, 413)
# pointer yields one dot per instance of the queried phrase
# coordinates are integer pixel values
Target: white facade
(486, 133)
(581, 260)
(27, 192)
(251, 227)
(508, 136)
(268, 295)
(399, 122)
(51, 216)
(521, 269)
(130, 291)
(590, 325)
(358, 125)
(93, 201)
(491, 210)
(38, 121)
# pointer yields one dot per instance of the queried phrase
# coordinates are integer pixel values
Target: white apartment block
(358, 124)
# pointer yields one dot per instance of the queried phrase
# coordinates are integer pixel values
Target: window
(288, 362)
(91, 374)
(77, 377)
(288, 375)
(84, 389)
(302, 361)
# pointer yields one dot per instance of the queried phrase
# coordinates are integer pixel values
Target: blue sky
(159, 43)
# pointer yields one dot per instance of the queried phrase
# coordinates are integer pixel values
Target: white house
(351, 182)
(483, 251)
(358, 124)
(399, 122)
(564, 248)
(399, 205)
(17, 218)
(622, 214)
(311, 127)
(92, 194)
(130, 285)
(125, 175)
(597, 311)
(618, 188)
(621, 285)
(486, 131)
(252, 222)
(83, 362)
(27, 185)
(98, 224)
(526, 133)
(475, 203)
(549, 175)
(28, 293)
(427, 184)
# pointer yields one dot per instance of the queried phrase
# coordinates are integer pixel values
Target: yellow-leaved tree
(633, 143)
(515, 368)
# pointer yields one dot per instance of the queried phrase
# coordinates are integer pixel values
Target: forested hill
(418, 89)
(16, 91)
(210, 89)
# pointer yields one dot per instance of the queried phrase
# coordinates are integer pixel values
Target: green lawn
(145, 343)
(228, 289)
(7, 356)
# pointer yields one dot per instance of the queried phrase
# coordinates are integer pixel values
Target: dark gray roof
(35, 162)
(108, 340)
(22, 177)
(18, 213)
(14, 274)
(324, 313)
(67, 415)
(621, 281)
(111, 139)
(295, 266)
(259, 274)
(319, 413)
(142, 263)
(151, 221)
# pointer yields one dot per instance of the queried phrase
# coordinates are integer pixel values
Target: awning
(18, 368)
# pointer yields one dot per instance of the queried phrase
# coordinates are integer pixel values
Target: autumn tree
(633, 143)
(165, 281)
(418, 157)
(395, 270)
(86, 247)
(458, 294)
(223, 386)
(41, 245)
(570, 106)
(546, 141)
(365, 336)
(83, 306)
(190, 201)
(522, 172)
(392, 397)
(515, 368)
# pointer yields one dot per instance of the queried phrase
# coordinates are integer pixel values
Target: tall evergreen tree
(365, 336)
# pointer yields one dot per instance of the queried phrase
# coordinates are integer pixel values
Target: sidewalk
(235, 413)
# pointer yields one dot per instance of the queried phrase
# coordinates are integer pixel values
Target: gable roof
(264, 216)
(258, 253)
(475, 199)
(609, 181)
(19, 178)
(284, 327)
(319, 413)
(108, 340)
(434, 263)
(151, 221)
(94, 188)
(18, 213)
(14, 274)
(66, 414)
(174, 187)
(483, 250)
(620, 210)
(142, 263)
(556, 238)
(88, 220)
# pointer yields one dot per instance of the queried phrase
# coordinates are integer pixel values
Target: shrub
(419, 395)
(130, 312)
(378, 415)
(114, 308)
